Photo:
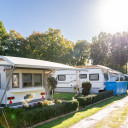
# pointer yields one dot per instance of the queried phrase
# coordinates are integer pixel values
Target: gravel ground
(89, 122)
(125, 124)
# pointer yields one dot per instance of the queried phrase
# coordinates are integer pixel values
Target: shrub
(76, 96)
(86, 86)
(56, 101)
(52, 82)
(90, 99)
(25, 118)
(41, 104)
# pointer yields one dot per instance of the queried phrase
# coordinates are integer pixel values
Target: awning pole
(119, 77)
(7, 85)
(79, 81)
(76, 81)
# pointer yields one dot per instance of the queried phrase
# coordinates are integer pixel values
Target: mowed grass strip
(71, 119)
(63, 95)
(116, 118)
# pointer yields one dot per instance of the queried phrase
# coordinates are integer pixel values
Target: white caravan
(24, 80)
(95, 74)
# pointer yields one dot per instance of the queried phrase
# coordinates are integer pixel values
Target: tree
(119, 47)
(81, 53)
(52, 82)
(110, 50)
(51, 46)
(3, 37)
(16, 45)
(100, 49)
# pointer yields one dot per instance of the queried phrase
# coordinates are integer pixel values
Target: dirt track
(89, 122)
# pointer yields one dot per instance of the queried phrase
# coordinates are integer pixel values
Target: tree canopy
(110, 50)
(105, 49)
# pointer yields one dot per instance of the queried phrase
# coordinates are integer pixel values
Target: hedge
(22, 117)
(90, 99)
(86, 86)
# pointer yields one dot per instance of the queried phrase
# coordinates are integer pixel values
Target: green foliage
(76, 96)
(52, 82)
(81, 53)
(16, 45)
(56, 101)
(3, 38)
(106, 49)
(90, 99)
(51, 46)
(86, 86)
(110, 50)
(41, 104)
(26, 118)
(69, 120)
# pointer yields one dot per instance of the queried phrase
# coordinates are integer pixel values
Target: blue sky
(77, 19)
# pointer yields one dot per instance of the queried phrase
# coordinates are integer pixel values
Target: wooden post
(119, 77)
(76, 82)
(126, 68)
(79, 81)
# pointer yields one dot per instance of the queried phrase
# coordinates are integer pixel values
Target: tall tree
(16, 45)
(100, 49)
(3, 37)
(51, 46)
(110, 50)
(81, 53)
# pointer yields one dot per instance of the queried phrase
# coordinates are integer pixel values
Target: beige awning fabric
(103, 68)
(33, 63)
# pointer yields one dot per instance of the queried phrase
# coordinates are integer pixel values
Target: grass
(64, 95)
(71, 119)
(116, 118)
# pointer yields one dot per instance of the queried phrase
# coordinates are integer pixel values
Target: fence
(118, 87)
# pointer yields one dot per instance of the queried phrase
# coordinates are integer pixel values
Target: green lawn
(64, 96)
(71, 119)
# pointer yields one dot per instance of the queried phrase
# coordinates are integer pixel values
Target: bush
(76, 96)
(52, 82)
(90, 99)
(86, 86)
(56, 101)
(27, 117)
(41, 104)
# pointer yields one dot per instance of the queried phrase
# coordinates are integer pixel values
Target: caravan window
(93, 77)
(37, 79)
(15, 80)
(61, 77)
(27, 79)
(106, 77)
(83, 76)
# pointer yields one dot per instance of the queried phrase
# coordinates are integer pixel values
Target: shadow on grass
(63, 96)
(98, 105)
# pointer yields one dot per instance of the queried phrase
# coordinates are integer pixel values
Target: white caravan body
(24, 80)
(97, 75)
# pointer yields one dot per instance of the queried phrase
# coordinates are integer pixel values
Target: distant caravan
(96, 74)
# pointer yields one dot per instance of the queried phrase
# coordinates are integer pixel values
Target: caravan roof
(99, 67)
(32, 63)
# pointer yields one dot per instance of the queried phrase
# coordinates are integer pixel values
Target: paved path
(90, 121)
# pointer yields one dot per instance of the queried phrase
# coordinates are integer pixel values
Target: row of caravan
(24, 80)
(97, 75)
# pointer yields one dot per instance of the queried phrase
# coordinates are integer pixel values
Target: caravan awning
(20, 62)
(103, 68)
